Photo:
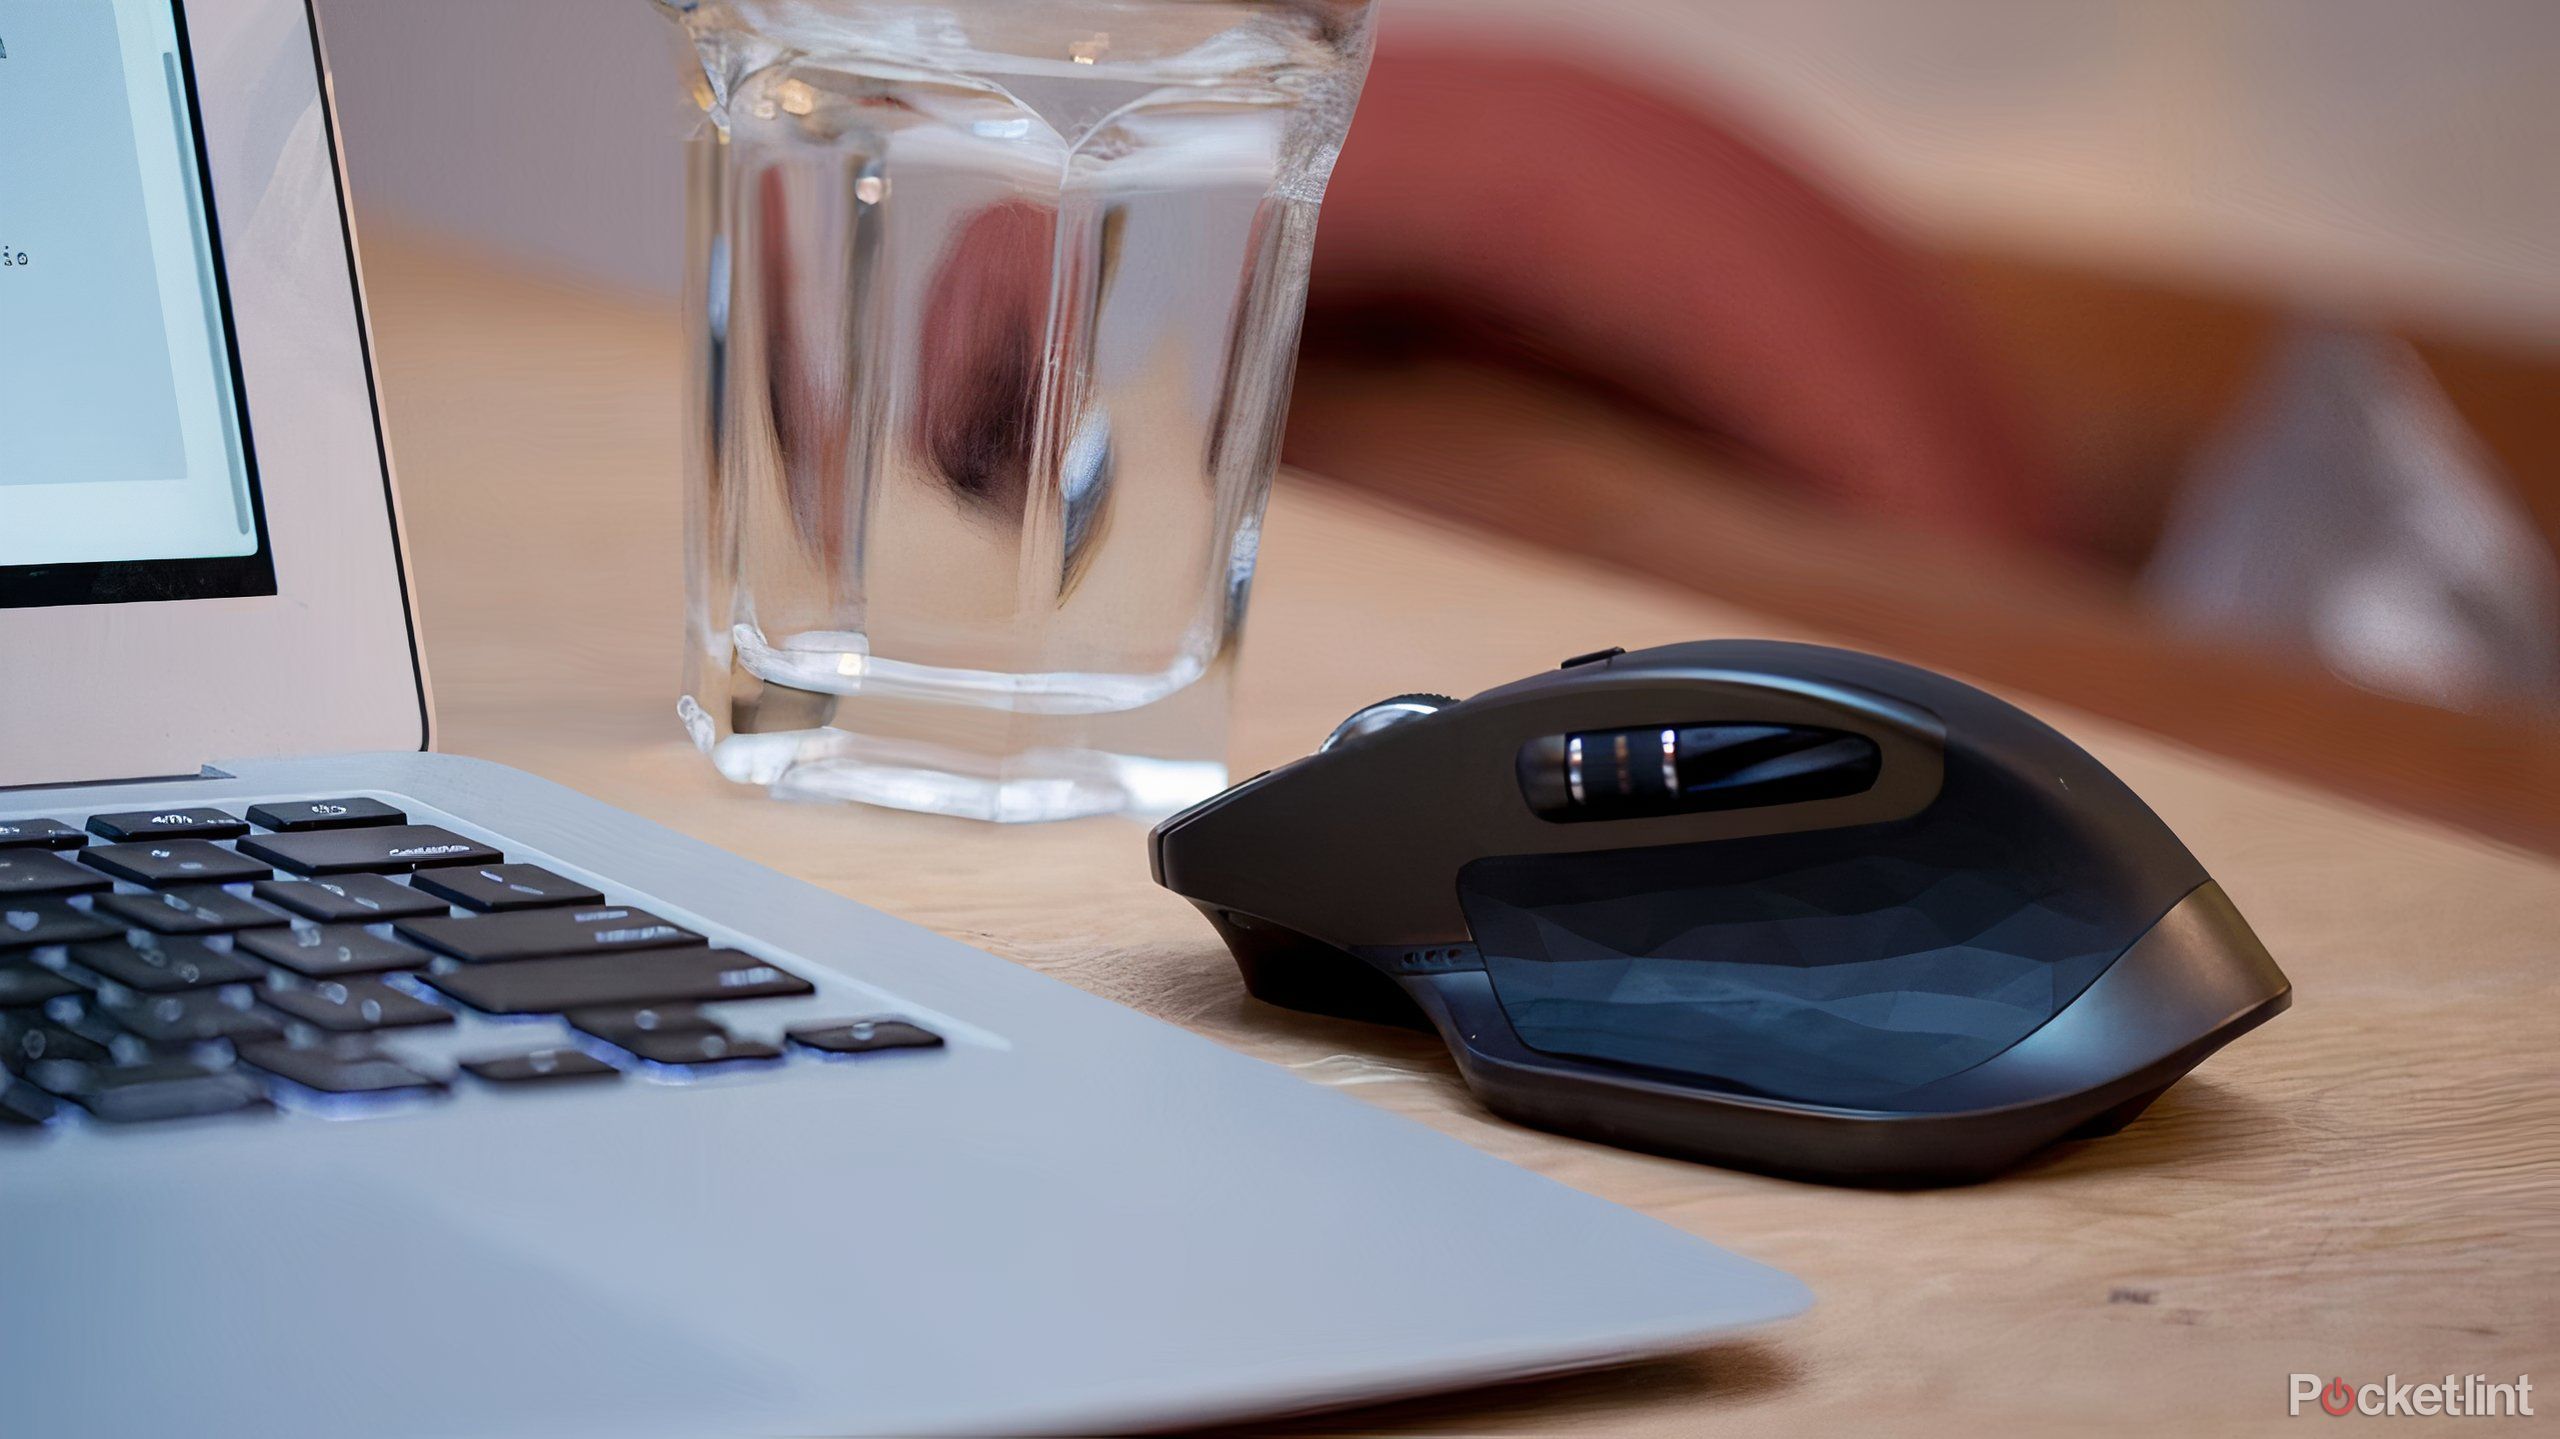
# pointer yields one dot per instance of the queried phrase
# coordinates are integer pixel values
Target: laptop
(352, 1088)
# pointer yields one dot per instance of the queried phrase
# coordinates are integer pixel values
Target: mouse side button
(1594, 658)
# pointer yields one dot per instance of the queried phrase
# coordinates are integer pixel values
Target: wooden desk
(2369, 1185)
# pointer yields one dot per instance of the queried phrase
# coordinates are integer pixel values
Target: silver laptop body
(1061, 1216)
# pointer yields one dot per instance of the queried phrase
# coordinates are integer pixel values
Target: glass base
(960, 760)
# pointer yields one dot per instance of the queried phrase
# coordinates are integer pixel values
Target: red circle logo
(2337, 1398)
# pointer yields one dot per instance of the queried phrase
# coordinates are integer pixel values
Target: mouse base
(1295, 971)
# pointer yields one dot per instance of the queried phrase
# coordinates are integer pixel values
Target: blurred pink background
(2194, 364)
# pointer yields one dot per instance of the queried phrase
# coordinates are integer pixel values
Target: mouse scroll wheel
(1385, 714)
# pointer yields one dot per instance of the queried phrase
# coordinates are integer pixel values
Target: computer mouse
(1774, 906)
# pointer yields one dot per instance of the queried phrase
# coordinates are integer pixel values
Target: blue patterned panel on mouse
(1832, 967)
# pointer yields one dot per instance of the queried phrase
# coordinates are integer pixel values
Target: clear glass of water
(994, 306)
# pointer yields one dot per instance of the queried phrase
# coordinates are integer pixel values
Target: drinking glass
(994, 306)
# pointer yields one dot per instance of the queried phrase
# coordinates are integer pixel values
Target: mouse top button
(1384, 714)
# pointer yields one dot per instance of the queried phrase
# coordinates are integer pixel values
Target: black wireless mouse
(1767, 905)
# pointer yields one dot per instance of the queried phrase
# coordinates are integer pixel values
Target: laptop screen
(126, 472)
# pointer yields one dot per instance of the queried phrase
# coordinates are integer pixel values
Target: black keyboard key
(23, 1106)
(493, 887)
(540, 933)
(360, 898)
(615, 1025)
(332, 951)
(192, 1018)
(355, 1005)
(39, 834)
(338, 1066)
(861, 1036)
(669, 1034)
(173, 861)
(189, 909)
(28, 872)
(610, 981)
(166, 966)
(154, 1089)
(24, 986)
(324, 814)
(378, 849)
(30, 1039)
(691, 1047)
(25, 923)
(192, 823)
(540, 1065)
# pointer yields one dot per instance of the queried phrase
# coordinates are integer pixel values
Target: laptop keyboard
(184, 962)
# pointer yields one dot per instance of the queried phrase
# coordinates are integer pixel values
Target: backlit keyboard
(182, 962)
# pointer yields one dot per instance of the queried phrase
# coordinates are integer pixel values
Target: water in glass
(994, 305)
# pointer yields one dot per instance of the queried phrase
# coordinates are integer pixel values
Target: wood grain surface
(2369, 1185)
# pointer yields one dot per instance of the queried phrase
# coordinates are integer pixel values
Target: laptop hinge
(203, 772)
